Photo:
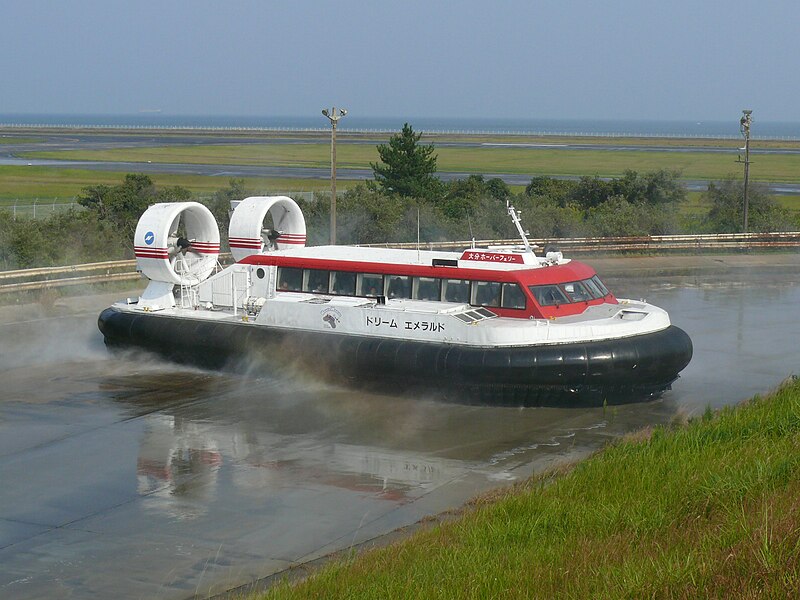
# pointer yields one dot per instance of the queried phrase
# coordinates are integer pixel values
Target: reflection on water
(137, 477)
(242, 434)
(177, 466)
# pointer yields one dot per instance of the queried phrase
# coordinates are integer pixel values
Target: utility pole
(744, 127)
(333, 115)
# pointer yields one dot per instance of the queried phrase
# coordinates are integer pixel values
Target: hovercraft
(501, 325)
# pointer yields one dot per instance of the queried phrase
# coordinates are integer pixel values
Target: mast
(514, 214)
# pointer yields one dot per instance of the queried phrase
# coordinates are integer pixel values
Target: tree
(654, 187)
(589, 192)
(220, 203)
(727, 201)
(498, 189)
(463, 198)
(406, 168)
(6, 232)
(619, 217)
(556, 190)
(122, 205)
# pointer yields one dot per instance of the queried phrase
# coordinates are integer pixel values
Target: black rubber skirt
(585, 373)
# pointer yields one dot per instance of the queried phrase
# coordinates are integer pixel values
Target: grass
(13, 139)
(707, 509)
(694, 204)
(489, 159)
(789, 202)
(29, 183)
(61, 185)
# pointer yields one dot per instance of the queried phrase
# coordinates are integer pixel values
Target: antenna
(471, 235)
(418, 256)
(514, 214)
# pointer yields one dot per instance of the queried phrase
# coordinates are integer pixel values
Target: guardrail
(712, 241)
(124, 270)
(54, 277)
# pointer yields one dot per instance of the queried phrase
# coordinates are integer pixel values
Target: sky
(560, 59)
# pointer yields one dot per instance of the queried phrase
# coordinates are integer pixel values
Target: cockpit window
(577, 291)
(599, 284)
(573, 291)
(548, 295)
(593, 289)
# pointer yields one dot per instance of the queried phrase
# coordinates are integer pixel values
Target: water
(583, 127)
(133, 477)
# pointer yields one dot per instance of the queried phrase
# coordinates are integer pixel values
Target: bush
(71, 237)
(727, 209)
(617, 217)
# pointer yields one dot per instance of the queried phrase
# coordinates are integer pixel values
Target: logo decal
(331, 317)
(149, 237)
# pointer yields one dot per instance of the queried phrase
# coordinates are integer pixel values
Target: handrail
(49, 271)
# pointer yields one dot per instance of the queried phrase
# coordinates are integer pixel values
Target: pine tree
(406, 168)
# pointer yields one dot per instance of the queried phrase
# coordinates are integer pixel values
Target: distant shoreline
(158, 122)
(319, 132)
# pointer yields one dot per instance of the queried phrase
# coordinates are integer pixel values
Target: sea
(567, 127)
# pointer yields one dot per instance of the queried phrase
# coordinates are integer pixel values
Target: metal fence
(40, 208)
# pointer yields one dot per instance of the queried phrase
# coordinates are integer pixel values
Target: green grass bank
(707, 508)
(482, 159)
(25, 184)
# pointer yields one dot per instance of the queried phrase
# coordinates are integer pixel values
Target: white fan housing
(175, 243)
(246, 235)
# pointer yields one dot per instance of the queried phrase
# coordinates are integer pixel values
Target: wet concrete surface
(125, 476)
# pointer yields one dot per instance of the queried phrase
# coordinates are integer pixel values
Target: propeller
(272, 236)
(178, 245)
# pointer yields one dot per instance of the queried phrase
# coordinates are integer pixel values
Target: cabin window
(427, 288)
(456, 290)
(548, 295)
(343, 283)
(577, 291)
(290, 279)
(593, 289)
(399, 286)
(513, 296)
(487, 293)
(316, 281)
(599, 284)
(370, 285)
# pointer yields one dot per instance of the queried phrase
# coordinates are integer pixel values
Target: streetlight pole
(333, 115)
(744, 127)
